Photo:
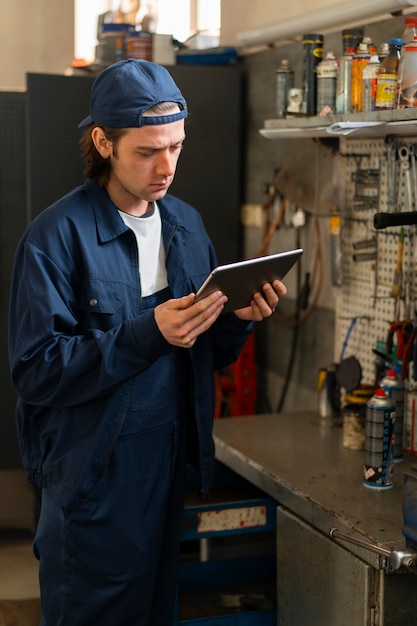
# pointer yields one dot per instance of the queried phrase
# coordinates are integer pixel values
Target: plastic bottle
(369, 83)
(407, 76)
(360, 59)
(387, 81)
(410, 29)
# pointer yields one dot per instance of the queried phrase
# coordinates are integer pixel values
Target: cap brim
(86, 121)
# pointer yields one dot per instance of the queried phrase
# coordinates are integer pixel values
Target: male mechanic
(113, 360)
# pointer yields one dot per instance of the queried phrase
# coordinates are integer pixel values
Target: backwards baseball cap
(125, 90)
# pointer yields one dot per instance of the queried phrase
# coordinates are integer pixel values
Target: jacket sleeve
(52, 362)
(229, 336)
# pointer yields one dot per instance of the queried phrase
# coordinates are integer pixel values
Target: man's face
(143, 163)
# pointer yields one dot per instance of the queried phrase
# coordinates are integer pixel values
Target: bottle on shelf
(359, 60)
(344, 82)
(407, 76)
(369, 83)
(313, 44)
(410, 29)
(284, 81)
(327, 71)
(372, 48)
(351, 38)
(383, 50)
(387, 80)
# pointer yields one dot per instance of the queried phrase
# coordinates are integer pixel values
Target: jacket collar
(109, 223)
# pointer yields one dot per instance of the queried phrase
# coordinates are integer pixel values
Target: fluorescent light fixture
(326, 19)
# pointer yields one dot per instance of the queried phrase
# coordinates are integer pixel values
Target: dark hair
(95, 166)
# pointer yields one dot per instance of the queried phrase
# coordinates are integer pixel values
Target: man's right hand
(182, 320)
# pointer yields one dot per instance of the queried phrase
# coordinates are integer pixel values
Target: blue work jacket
(77, 339)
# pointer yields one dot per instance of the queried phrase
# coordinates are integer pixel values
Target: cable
(294, 338)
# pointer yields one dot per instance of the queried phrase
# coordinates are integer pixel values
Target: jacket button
(93, 302)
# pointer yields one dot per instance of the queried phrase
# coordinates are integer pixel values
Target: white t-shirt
(152, 267)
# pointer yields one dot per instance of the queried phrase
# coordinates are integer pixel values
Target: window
(182, 19)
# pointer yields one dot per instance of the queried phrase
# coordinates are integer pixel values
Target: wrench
(404, 154)
(412, 153)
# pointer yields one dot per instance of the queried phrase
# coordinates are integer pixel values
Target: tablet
(240, 280)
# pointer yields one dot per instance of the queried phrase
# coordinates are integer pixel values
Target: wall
(36, 36)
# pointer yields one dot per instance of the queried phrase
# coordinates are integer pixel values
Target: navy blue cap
(125, 90)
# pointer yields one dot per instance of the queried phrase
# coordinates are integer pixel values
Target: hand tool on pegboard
(396, 288)
(405, 182)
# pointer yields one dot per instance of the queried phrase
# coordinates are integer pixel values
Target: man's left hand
(263, 304)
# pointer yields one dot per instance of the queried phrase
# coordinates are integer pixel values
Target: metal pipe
(336, 534)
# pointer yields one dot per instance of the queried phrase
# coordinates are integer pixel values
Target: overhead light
(326, 19)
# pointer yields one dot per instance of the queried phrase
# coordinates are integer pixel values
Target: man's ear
(103, 145)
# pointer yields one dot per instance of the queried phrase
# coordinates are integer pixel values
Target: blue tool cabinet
(234, 582)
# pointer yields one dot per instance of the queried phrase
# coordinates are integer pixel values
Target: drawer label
(231, 519)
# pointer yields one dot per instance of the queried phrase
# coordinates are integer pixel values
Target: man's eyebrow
(153, 147)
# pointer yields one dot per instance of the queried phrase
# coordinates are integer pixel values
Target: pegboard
(372, 178)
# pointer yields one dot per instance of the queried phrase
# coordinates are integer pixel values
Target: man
(113, 360)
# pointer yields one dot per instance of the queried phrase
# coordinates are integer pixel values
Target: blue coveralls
(108, 412)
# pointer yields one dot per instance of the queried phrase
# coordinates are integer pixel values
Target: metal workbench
(299, 460)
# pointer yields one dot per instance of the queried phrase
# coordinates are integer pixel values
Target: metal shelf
(374, 124)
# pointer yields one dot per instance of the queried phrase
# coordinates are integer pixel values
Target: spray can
(344, 82)
(284, 82)
(383, 51)
(379, 440)
(351, 38)
(372, 48)
(369, 80)
(360, 59)
(312, 55)
(395, 389)
(327, 71)
(407, 76)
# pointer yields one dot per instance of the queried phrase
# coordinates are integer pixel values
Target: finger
(261, 307)
(195, 327)
(279, 288)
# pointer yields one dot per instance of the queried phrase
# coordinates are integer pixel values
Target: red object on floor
(236, 386)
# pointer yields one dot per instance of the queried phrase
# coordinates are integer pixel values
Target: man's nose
(166, 163)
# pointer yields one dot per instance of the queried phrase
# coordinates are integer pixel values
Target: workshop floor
(19, 589)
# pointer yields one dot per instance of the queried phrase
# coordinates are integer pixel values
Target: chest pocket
(104, 304)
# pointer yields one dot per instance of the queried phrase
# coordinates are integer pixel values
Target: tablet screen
(240, 280)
